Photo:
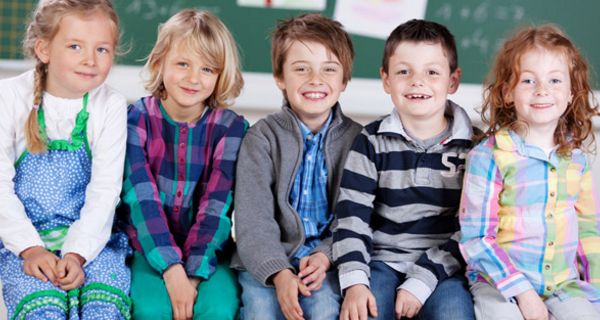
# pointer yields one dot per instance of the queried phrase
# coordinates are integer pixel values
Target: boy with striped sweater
(397, 227)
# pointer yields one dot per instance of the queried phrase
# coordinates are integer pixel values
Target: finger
(77, 282)
(361, 312)
(303, 264)
(48, 272)
(37, 272)
(303, 289)
(307, 271)
(189, 310)
(399, 310)
(316, 285)
(344, 313)
(61, 267)
(372, 303)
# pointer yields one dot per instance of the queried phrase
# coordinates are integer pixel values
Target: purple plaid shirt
(178, 186)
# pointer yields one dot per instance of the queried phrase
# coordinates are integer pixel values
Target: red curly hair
(499, 112)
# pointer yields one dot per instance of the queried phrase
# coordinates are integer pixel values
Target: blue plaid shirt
(309, 191)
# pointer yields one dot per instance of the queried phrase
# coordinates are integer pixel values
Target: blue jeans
(260, 302)
(451, 298)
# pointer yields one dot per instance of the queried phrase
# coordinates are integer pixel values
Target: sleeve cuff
(353, 277)
(417, 288)
(513, 285)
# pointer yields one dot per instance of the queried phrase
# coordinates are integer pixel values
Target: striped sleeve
(141, 197)
(589, 227)
(478, 217)
(210, 232)
(352, 237)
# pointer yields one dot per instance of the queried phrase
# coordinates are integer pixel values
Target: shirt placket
(181, 168)
(550, 245)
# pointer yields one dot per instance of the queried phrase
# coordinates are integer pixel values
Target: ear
(385, 79)
(42, 50)
(454, 80)
(280, 83)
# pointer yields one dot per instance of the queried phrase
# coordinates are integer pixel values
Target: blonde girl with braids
(62, 147)
(529, 216)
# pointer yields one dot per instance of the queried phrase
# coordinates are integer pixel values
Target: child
(288, 176)
(395, 243)
(62, 147)
(182, 146)
(528, 213)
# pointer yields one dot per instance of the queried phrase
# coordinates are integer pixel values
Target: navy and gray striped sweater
(399, 203)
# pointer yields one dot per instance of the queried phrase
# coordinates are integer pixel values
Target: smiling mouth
(189, 91)
(541, 105)
(314, 95)
(85, 74)
(417, 96)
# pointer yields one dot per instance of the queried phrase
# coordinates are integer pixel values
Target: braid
(35, 143)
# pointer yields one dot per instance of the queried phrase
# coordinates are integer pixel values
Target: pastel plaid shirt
(309, 190)
(178, 186)
(530, 221)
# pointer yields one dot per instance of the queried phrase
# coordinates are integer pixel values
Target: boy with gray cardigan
(288, 173)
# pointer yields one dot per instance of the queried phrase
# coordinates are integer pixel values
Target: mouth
(189, 90)
(417, 96)
(314, 95)
(87, 75)
(540, 105)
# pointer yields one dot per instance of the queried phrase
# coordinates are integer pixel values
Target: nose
(90, 58)
(540, 89)
(417, 80)
(193, 76)
(315, 78)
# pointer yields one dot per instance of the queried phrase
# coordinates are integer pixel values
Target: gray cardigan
(268, 230)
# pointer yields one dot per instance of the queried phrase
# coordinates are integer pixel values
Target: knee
(217, 313)
(150, 311)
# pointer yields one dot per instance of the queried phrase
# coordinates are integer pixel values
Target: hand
(531, 305)
(358, 303)
(195, 282)
(40, 263)
(181, 292)
(407, 305)
(313, 270)
(287, 287)
(69, 271)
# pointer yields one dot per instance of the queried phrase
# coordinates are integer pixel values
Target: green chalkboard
(478, 25)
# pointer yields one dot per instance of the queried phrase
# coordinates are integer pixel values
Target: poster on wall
(377, 18)
(318, 5)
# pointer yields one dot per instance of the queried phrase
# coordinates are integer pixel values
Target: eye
(555, 81)
(527, 81)
(331, 69)
(300, 69)
(103, 50)
(75, 47)
(432, 73)
(402, 71)
(208, 70)
(182, 64)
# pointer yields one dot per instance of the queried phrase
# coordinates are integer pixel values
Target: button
(182, 145)
(176, 209)
(550, 244)
(550, 215)
(552, 194)
(547, 267)
(183, 129)
(549, 288)
(553, 170)
(180, 177)
(309, 158)
(305, 192)
(181, 160)
(309, 137)
(178, 194)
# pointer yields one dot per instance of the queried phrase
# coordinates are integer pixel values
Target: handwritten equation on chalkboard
(484, 14)
(150, 10)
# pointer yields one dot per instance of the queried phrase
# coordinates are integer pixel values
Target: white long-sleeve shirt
(106, 133)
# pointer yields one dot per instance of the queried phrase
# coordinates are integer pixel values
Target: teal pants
(218, 297)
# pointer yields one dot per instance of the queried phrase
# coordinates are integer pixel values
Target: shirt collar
(305, 131)
(461, 124)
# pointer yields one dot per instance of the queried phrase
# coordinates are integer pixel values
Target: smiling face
(419, 80)
(188, 81)
(543, 90)
(79, 56)
(312, 81)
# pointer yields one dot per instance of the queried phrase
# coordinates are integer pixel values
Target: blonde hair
(575, 125)
(44, 25)
(210, 39)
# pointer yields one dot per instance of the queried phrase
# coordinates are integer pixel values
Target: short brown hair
(311, 27)
(421, 31)
(575, 125)
(204, 34)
